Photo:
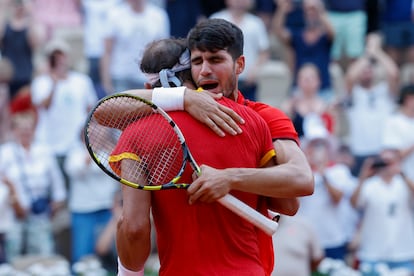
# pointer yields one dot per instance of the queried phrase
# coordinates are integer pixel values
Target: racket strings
(165, 151)
(143, 147)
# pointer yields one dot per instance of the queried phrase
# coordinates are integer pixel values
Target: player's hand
(203, 107)
(211, 185)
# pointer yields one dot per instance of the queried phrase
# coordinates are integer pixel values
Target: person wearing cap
(323, 208)
(37, 181)
(399, 130)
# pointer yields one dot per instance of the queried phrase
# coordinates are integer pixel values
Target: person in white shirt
(399, 130)
(370, 101)
(256, 42)
(63, 98)
(324, 208)
(9, 207)
(130, 27)
(41, 192)
(385, 197)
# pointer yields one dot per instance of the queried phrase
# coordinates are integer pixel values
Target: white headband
(168, 75)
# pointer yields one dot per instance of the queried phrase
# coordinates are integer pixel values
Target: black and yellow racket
(146, 150)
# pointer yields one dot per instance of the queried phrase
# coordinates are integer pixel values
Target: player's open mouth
(209, 86)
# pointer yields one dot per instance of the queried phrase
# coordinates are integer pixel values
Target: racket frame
(229, 201)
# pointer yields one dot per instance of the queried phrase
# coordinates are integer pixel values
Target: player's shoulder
(251, 116)
(266, 110)
(236, 106)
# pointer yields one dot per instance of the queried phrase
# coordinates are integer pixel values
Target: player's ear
(240, 62)
(147, 85)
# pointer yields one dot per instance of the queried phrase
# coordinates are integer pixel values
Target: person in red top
(291, 178)
(226, 244)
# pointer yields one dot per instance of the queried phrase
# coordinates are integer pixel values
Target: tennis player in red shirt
(291, 178)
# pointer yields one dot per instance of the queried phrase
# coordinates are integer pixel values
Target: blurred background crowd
(343, 71)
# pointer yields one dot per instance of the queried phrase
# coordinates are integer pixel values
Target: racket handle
(245, 211)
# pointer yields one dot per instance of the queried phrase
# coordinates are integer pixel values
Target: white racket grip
(245, 211)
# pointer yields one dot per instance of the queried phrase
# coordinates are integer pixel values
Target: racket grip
(245, 211)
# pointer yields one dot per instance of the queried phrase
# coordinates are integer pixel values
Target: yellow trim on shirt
(269, 155)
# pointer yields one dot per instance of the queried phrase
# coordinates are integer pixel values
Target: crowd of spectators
(350, 96)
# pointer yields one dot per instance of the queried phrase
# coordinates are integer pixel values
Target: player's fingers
(223, 126)
(207, 198)
(225, 123)
(195, 191)
(214, 127)
(202, 196)
(231, 116)
(194, 197)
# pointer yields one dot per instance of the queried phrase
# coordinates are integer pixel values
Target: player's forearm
(282, 181)
(285, 206)
(107, 111)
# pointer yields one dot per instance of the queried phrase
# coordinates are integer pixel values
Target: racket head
(136, 143)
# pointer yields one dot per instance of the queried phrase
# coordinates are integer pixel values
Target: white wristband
(169, 99)
(122, 271)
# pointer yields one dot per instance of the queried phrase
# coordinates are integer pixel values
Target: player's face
(216, 72)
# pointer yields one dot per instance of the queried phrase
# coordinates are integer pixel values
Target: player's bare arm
(200, 105)
(291, 178)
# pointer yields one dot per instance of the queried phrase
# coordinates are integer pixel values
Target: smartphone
(379, 163)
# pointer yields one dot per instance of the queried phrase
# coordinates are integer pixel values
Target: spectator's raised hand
(284, 6)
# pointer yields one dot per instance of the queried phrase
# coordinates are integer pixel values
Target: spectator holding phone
(385, 197)
(369, 100)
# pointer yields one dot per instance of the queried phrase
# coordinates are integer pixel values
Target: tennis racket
(146, 150)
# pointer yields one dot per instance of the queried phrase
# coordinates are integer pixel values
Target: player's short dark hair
(164, 54)
(216, 34)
